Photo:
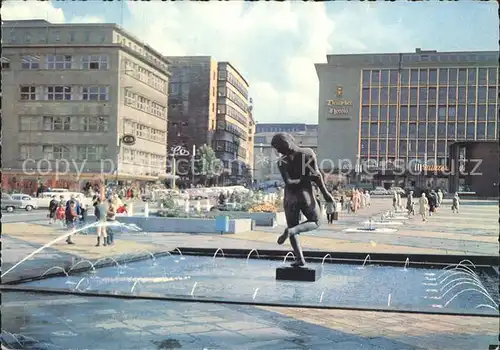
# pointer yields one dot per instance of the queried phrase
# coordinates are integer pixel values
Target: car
(379, 191)
(9, 204)
(398, 190)
(28, 203)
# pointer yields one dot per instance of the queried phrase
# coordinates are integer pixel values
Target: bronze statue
(299, 170)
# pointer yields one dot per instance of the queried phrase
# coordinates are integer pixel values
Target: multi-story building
(192, 102)
(265, 157)
(389, 112)
(234, 123)
(73, 91)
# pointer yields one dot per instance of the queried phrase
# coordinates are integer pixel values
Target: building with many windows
(265, 157)
(71, 91)
(235, 126)
(396, 114)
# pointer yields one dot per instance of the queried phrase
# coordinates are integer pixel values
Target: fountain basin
(385, 223)
(185, 225)
(370, 230)
(261, 219)
(345, 284)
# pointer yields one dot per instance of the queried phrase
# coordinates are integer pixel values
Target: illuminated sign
(128, 140)
(340, 103)
(179, 151)
(434, 168)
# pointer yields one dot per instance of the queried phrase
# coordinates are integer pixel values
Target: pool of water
(254, 281)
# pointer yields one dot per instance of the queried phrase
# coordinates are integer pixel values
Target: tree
(208, 166)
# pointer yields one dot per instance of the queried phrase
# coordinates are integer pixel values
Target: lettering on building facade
(179, 151)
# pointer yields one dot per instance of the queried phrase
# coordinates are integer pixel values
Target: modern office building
(234, 126)
(191, 106)
(396, 114)
(72, 91)
(265, 157)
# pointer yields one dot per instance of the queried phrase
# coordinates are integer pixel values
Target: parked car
(379, 191)
(9, 204)
(28, 203)
(398, 190)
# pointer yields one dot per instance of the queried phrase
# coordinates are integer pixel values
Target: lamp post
(193, 154)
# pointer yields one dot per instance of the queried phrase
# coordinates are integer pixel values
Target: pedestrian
(110, 218)
(52, 209)
(432, 199)
(71, 217)
(329, 212)
(423, 206)
(60, 214)
(342, 202)
(100, 210)
(409, 204)
(455, 206)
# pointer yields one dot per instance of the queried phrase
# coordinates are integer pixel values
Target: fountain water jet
(407, 262)
(222, 252)
(77, 287)
(389, 300)
(253, 250)
(55, 268)
(486, 305)
(474, 284)
(153, 257)
(367, 258)
(134, 285)
(193, 289)
(81, 262)
(178, 250)
(324, 258)
(461, 263)
(321, 297)
(457, 268)
(474, 277)
(287, 255)
(255, 293)
(107, 258)
(49, 244)
(468, 290)
(474, 281)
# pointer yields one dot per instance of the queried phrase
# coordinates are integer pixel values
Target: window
(28, 93)
(222, 75)
(58, 93)
(95, 93)
(364, 147)
(471, 94)
(404, 95)
(461, 112)
(28, 123)
(461, 95)
(393, 113)
(382, 147)
(422, 130)
(432, 94)
(28, 151)
(384, 77)
(492, 111)
(471, 76)
(492, 94)
(441, 147)
(91, 153)
(95, 62)
(383, 130)
(373, 130)
(365, 116)
(57, 36)
(5, 63)
(423, 76)
(421, 146)
(490, 131)
(482, 79)
(61, 123)
(443, 76)
(451, 131)
(431, 130)
(481, 112)
(403, 114)
(56, 152)
(392, 130)
(442, 94)
(87, 36)
(423, 95)
(375, 77)
(403, 131)
(414, 77)
(366, 78)
(58, 61)
(30, 62)
(412, 131)
(481, 131)
(384, 95)
(383, 113)
(393, 95)
(471, 112)
(460, 131)
(422, 113)
(432, 76)
(442, 113)
(413, 113)
(471, 131)
(364, 130)
(374, 95)
(441, 130)
(373, 147)
(392, 147)
(452, 94)
(492, 76)
(452, 113)
(482, 92)
(393, 77)
(374, 113)
(462, 76)
(413, 95)
(71, 36)
(405, 77)
(403, 148)
(94, 124)
(431, 147)
(452, 76)
(431, 115)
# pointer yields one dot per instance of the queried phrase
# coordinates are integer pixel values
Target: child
(60, 216)
(456, 203)
(122, 209)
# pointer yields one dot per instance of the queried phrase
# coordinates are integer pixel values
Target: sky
(275, 45)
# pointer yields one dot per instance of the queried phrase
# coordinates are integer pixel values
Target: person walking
(423, 206)
(330, 209)
(71, 217)
(110, 219)
(52, 209)
(100, 210)
(409, 204)
(455, 206)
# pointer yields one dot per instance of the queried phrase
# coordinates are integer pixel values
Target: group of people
(358, 199)
(73, 211)
(429, 202)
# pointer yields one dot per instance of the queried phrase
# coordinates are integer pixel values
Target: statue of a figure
(299, 170)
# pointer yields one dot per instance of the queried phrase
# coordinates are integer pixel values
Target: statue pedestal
(299, 274)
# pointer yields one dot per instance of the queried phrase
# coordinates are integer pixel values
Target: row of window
(432, 76)
(405, 147)
(46, 36)
(230, 147)
(232, 128)
(67, 152)
(385, 162)
(141, 50)
(52, 62)
(144, 131)
(63, 93)
(136, 157)
(421, 113)
(226, 92)
(232, 112)
(450, 130)
(423, 95)
(228, 76)
(64, 123)
(146, 76)
(144, 104)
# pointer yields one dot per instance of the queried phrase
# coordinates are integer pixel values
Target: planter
(184, 225)
(260, 219)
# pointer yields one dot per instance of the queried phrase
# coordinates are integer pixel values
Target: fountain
(218, 250)
(55, 268)
(407, 263)
(253, 250)
(81, 262)
(473, 290)
(77, 287)
(287, 255)
(107, 258)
